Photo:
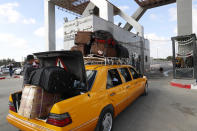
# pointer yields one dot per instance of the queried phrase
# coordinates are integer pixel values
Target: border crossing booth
(184, 57)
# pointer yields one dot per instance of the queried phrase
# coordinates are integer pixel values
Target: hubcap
(107, 122)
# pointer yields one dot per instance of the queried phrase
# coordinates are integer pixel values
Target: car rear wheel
(105, 122)
(145, 90)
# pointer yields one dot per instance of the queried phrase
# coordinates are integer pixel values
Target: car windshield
(91, 74)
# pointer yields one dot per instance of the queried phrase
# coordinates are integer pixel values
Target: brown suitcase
(74, 48)
(103, 50)
(83, 37)
(98, 49)
(81, 48)
(110, 52)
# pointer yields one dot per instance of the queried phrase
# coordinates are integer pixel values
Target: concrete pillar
(106, 10)
(86, 12)
(184, 14)
(49, 15)
(137, 15)
(138, 28)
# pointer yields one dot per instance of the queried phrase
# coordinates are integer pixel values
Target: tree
(6, 61)
(169, 58)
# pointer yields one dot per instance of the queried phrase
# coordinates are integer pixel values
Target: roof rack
(95, 59)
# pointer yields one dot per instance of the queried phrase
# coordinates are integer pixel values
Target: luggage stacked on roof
(100, 43)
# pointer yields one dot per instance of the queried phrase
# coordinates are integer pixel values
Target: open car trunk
(70, 61)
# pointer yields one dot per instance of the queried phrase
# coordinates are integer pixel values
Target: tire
(105, 122)
(145, 90)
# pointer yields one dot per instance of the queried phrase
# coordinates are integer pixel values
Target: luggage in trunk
(36, 103)
(72, 61)
(52, 79)
(83, 37)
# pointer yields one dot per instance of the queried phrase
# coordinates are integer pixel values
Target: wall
(72, 27)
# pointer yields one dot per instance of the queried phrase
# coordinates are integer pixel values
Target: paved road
(166, 108)
(6, 87)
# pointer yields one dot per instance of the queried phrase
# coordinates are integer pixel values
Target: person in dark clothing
(28, 68)
(10, 70)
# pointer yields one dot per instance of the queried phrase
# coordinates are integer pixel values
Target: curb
(3, 78)
(186, 86)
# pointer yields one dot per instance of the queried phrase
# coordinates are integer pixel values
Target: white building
(97, 15)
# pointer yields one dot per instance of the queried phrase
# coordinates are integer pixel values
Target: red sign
(60, 63)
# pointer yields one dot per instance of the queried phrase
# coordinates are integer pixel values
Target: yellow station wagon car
(111, 89)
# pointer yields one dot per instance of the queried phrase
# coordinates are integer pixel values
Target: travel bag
(52, 79)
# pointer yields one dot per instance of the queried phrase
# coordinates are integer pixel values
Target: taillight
(11, 106)
(59, 120)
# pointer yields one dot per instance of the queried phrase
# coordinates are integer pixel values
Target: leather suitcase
(80, 47)
(110, 52)
(83, 37)
(98, 49)
(103, 49)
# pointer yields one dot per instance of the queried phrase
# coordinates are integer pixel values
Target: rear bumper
(24, 125)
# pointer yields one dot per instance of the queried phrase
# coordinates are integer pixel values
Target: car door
(136, 84)
(115, 91)
(127, 85)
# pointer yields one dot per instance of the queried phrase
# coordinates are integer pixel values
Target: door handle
(113, 94)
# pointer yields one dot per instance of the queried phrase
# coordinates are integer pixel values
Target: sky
(22, 26)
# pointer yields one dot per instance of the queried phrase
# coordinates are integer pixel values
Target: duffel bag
(52, 79)
(110, 52)
(122, 51)
(103, 35)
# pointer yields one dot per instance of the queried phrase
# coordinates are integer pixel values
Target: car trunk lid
(71, 61)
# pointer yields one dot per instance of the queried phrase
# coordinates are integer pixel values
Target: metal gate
(184, 57)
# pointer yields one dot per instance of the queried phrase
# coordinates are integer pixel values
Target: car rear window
(113, 78)
(134, 73)
(91, 75)
(125, 73)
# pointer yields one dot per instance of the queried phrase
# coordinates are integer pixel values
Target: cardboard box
(36, 103)
(83, 37)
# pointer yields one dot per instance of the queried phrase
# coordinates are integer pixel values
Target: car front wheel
(146, 90)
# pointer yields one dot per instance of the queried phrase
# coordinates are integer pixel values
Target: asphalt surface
(166, 108)
(7, 87)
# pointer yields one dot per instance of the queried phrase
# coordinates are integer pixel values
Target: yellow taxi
(111, 89)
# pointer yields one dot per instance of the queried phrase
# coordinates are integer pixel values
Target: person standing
(28, 68)
(10, 70)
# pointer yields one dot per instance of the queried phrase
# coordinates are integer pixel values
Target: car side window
(125, 73)
(113, 78)
(134, 73)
